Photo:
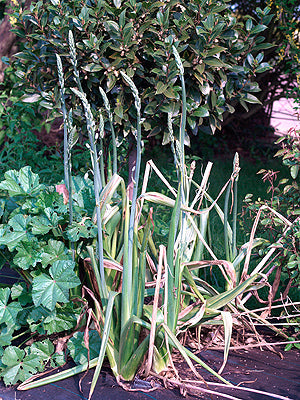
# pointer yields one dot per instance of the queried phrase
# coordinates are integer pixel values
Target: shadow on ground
(255, 369)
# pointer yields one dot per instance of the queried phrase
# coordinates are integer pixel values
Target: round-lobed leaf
(48, 290)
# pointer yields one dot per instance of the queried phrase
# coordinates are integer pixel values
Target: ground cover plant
(92, 273)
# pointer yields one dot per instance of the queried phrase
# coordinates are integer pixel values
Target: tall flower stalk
(112, 129)
(68, 142)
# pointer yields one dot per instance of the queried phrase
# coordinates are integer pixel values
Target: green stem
(71, 209)
(102, 163)
(182, 123)
(24, 341)
(234, 221)
(226, 208)
(114, 144)
(65, 119)
(235, 173)
(127, 268)
(20, 335)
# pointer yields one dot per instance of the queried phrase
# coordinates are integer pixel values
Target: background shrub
(220, 56)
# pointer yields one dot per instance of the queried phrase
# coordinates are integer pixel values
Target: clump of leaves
(20, 364)
(35, 240)
(126, 261)
(290, 152)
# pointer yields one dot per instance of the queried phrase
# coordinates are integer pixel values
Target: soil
(250, 368)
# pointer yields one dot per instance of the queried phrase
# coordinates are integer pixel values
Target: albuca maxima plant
(111, 248)
(89, 252)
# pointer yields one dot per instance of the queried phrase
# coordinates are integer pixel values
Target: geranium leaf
(19, 291)
(12, 355)
(44, 223)
(48, 290)
(43, 349)
(85, 229)
(8, 312)
(28, 254)
(6, 337)
(17, 231)
(57, 359)
(21, 183)
(77, 348)
(53, 252)
(35, 319)
(61, 319)
(2, 206)
(18, 366)
(83, 195)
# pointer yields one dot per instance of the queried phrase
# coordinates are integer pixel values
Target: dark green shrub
(221, 57)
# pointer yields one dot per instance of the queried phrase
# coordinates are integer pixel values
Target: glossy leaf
(48, 290)
(8, 311)
(54, 251)
(249, 98)
(263, 67)
(78, 350)
(18, 366)
(21, 183)
(257, 29)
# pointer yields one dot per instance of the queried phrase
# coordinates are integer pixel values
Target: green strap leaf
(105, 336)
(227, 322)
